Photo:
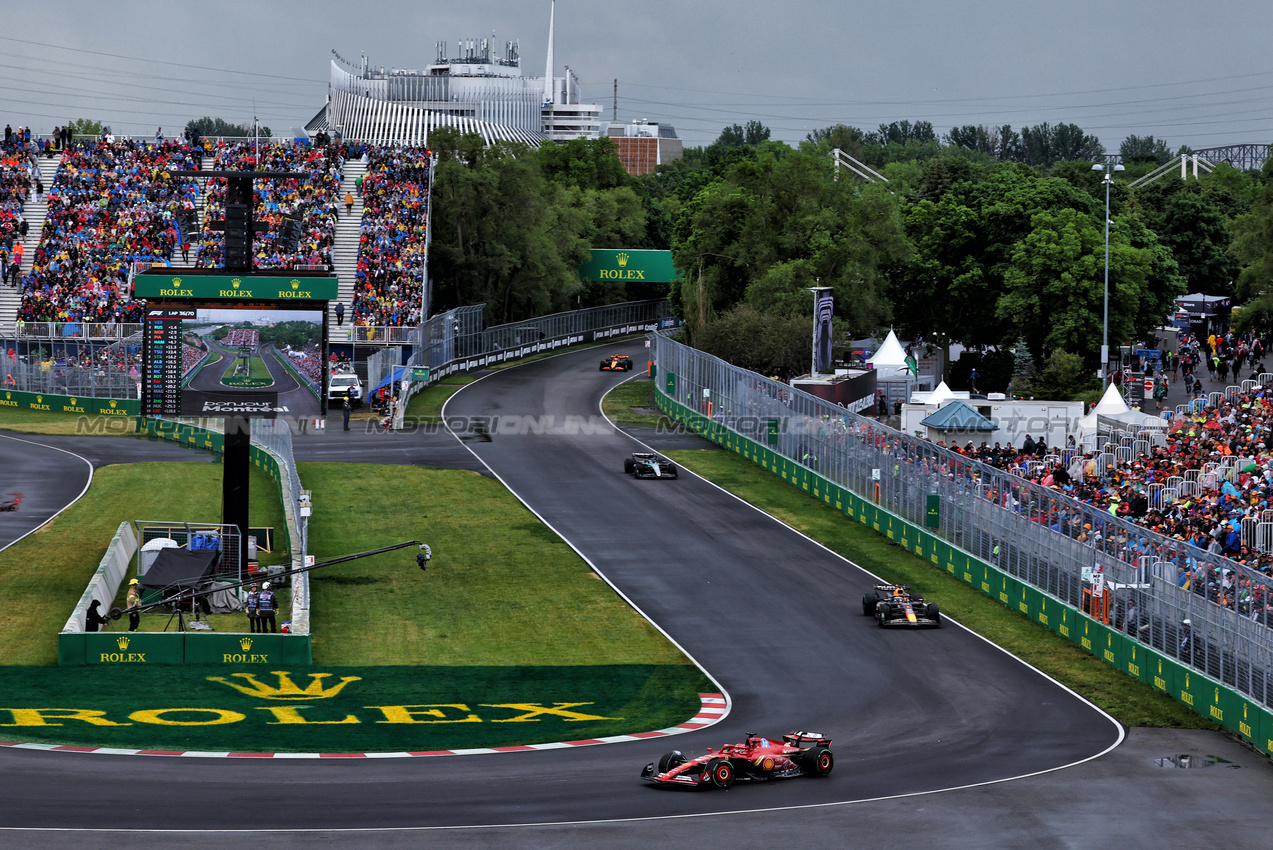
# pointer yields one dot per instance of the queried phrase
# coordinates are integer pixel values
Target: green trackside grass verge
(425, 407)
(42, 577)
(340, 709)
(1132, 702)
(502, 588)
(65, 424)
(258, 375)
(621, 404)
(508, 638)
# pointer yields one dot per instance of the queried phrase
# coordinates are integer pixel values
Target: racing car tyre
(934, 613)
(671, 761)
(819, 762)
(868, 606)
(722, 772)
(672, 471)
(628, 466)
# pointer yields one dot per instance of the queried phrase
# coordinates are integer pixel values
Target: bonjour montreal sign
(236, 287)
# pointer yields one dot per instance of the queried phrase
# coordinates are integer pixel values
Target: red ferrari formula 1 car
(758, 760)
(617, 363)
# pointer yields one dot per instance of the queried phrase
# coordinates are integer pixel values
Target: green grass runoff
(502, 588)
(258, 375)
(65, 424)
(1132, 702)
(620, 402)
(43, 576)
(425, 407)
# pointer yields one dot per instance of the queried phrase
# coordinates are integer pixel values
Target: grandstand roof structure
(476, 88)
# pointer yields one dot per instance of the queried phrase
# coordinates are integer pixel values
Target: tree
(1022, 368)
(754, 339)
(755, 133)
(842, 136)
(1064, 378)
(502, 234)
(1044, 144)
(1054, 287)
(85, 127)
(213, 127)
(1141, 149)
(1002, 143)
(773, 224)
(731, 137)
(585, 163)
(904, 132)
(1253, 240)
(1199, 237)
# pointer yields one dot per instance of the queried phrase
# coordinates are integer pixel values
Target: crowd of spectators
(311, 198)
(110, 205)
(1228, 446)
(18, 173)
(391, 249)
(243, 338)
(308, 361)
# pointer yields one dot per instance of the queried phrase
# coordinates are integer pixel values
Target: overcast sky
(1180, 71)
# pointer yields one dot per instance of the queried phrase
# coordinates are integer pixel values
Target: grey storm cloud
(1159, 68)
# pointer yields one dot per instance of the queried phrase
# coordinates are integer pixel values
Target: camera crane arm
(423, 558)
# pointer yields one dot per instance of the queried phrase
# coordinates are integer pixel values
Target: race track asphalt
(773, 617)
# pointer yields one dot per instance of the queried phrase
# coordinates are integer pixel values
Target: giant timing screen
(221, 345)
(263, 361)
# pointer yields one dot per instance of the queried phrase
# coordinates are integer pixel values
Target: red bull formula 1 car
(10, 502)
(896, 605)
(617, 363)
(758, 760)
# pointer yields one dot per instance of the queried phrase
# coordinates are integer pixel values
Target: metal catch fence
(1204, 610)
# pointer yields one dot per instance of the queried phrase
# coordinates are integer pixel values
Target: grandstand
(113, 209)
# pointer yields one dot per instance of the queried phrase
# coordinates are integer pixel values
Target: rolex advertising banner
(822, 331)
(629, 264)
(252, 707)
(120, 407)
(190, 286)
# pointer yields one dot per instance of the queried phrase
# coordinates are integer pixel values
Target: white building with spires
(475, 87)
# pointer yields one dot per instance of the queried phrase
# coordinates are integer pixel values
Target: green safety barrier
(1215, 701)
(136, 648)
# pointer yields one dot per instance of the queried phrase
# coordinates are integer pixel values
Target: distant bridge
(1241, 157)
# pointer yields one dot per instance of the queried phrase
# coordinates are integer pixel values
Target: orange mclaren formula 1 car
(757, 760)
(617, 363)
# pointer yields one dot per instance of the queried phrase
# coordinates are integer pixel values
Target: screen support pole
(236, 465)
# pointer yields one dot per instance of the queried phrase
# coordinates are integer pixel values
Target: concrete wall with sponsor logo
(1210, 698)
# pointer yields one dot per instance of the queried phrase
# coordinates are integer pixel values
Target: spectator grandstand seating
(392, 247)
(110, 205)
(312, 198)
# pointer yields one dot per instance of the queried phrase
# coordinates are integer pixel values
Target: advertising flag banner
(822, 331)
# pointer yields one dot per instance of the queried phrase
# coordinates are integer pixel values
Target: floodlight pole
(1107, 180)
